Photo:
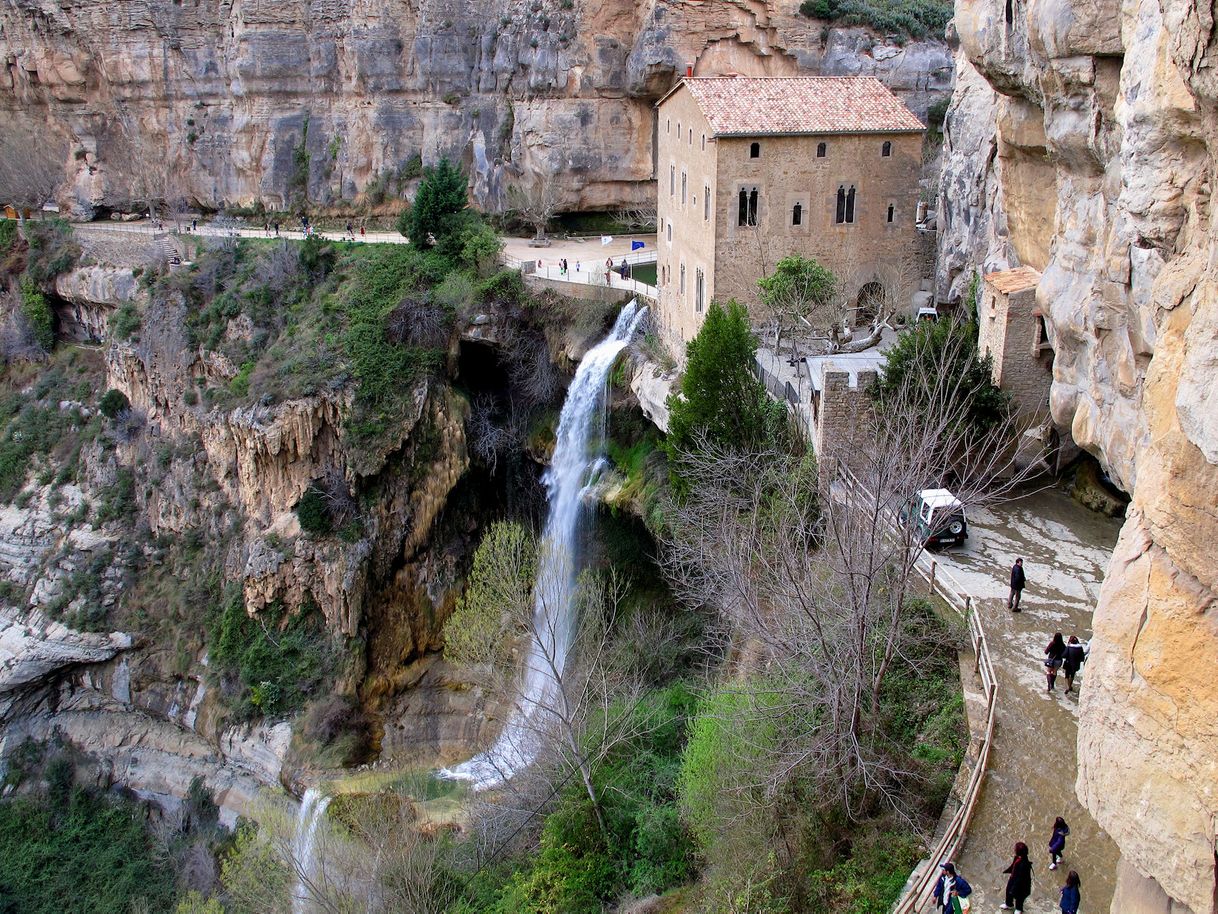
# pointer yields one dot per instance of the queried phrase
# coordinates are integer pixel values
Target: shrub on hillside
(113, 402)
(38, 315)
(312, 512)
(903, 18)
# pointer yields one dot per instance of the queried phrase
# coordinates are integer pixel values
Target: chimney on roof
(689, 70)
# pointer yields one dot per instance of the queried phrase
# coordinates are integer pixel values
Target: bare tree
(642, 217)
(820, 576)
(536, 200)
(31, 167)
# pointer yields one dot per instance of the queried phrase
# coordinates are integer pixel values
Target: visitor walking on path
(1071, 896)
(1018, 579)
(948, 884)
(1055, 655)
(1019, 885)
(1057, 843)
(1073, 661)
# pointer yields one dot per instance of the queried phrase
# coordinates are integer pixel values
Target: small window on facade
(678, 130)
(668, 125)
(704, 142)
(706, 203)
(699, 290)
(797, 214)
(892, 213)
(844, 215)
(684, 183)
(753, 206)
(821, 150)
(691, 138)
(742, 218)
(681, 286)
(754, 150)
(672, 180)
(670, 233)
(886, 149)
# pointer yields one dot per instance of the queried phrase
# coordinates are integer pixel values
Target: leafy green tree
(38, 314)
(480, 248)
(799, 289)
(441, 197)
(499, 589)
(945, 351)
(720, 400)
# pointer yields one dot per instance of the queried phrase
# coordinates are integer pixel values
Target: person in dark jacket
(1019, 885)
(1073, 661)
(1057, 842)
(1071, 896)
(949, 880)
(1018, 580)
(1054, 658)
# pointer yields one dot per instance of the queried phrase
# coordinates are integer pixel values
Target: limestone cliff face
(1101, 162)
(246, 100)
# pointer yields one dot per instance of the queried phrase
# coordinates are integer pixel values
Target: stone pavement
(1032, 769)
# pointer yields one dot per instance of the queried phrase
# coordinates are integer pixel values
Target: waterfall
(566, 481)
(308, 819)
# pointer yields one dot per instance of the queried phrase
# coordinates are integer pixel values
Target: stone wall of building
(1008, 333)
(839, 408)
(686, 152)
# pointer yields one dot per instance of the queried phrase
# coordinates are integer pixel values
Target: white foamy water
(308, 819)
(570, 472)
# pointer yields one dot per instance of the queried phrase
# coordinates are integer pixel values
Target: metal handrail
(940, 581)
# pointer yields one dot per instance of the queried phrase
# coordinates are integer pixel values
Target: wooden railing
(942, 582)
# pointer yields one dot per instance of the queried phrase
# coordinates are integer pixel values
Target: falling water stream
(308, 819)
(566, 480)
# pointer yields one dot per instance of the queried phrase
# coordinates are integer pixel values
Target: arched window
(821, 150)
(742, 217)
(886, 149)
(850, 205)
(754, 150)
(699, 290)
(672, 180)
(753, 207)
(704, 142)
(681, 287)
(706, 203)
(840, 216)
(797, 214)
(892, 212)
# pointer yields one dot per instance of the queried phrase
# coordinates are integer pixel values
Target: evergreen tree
(441, 197)
(721, 401)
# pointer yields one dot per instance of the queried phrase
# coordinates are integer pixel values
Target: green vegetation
(125, 322)
(949, 348)
(432, 216)
(272, 663)
(113, 402)
(505, 565)
(76, 850)
(52, 250)
(647, 849)
(38, 315)
(721, 402)
(312, 512)
(902, 18)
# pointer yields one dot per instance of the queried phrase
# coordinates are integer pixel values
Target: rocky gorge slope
(1082, 141)
(279, 102)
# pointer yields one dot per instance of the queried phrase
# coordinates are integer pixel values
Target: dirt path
(1032, 770)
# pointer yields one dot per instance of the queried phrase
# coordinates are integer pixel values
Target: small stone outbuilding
(1013, 331)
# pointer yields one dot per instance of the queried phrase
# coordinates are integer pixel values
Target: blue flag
(635, 245)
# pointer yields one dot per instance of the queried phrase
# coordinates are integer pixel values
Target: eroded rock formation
(268, 100)
(1099, 172)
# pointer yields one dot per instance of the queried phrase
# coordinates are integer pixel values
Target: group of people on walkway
(1061, 655)
(952, 892)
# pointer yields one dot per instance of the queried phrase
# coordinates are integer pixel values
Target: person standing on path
(1072, 662)
(1018, 580)
(949, 883)
(1071, 895)
(1019, 885)
(1057, 843)
(1055, 655)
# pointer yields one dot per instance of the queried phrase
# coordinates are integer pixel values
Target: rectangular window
(747, 214)
(681, 286)
(706, 203)
(684, 183)
(699, 290)
(672, 180)
(670, 233)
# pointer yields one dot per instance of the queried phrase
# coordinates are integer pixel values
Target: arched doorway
(867, 306)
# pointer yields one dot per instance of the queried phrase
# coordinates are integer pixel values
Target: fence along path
(940, 581)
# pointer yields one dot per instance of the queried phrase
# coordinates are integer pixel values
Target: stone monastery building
(751, 169)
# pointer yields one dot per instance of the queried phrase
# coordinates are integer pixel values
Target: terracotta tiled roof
(1016, 280)
(755, 106)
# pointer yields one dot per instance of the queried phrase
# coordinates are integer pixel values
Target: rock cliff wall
(1095, 164)
(245, 100)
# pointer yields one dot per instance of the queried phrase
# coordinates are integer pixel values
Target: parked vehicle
(937, 516)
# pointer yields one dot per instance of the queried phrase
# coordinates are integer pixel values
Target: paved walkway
(1032, 769)
(587, 252)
